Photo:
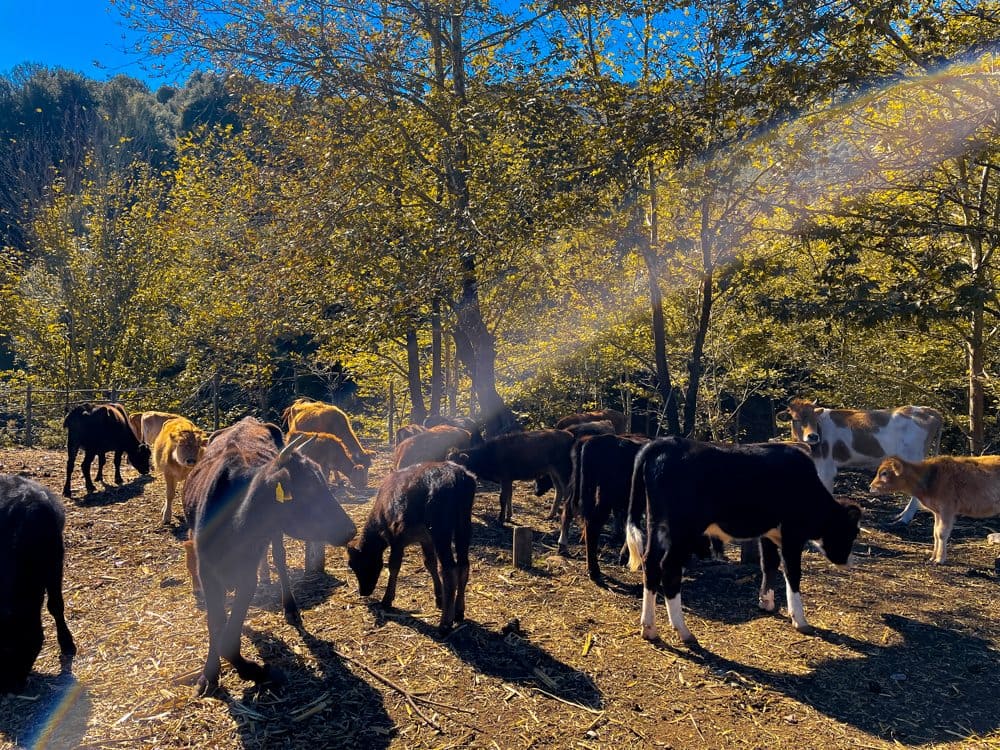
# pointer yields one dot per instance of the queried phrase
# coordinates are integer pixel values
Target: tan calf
(948, 486)
(332, 455)
(178, 446)
(315, 416)
(147, 424)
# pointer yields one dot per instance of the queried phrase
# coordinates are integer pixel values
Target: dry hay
(906, 653)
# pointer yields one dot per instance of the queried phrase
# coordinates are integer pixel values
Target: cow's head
(306, 507)
(189, 445)
(804, 417)
(141, 458)
(887, 476)
(840, 532)
(366, 567)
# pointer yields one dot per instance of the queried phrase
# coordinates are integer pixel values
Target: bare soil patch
(907, 653)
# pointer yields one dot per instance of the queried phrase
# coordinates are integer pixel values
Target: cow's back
(316, 416)
(99, 427)
(31, 527)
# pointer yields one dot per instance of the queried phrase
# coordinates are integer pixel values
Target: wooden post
(315, 557)
(522, 547)
(27, 417)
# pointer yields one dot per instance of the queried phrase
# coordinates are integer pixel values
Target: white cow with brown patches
(856, 438)
(948, 486)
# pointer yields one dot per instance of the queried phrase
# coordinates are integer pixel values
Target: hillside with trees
(686, 211)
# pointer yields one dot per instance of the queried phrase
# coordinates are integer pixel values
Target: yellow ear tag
(280, 495)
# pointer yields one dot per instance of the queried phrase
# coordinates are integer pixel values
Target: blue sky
(70, 34)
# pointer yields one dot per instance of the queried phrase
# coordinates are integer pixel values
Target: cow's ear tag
(280, 495)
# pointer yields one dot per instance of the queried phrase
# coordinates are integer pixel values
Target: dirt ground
(906, 653)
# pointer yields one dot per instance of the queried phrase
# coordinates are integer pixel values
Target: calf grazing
(429, 504)
(332, 455)
(178, 446)
(431, 445)
(614, 416)
(246, 492)
(771, 491)
(948, 486)
(315, 416)
(519, 456)
(601, 480)
(851, 437)
(97, 429)
(31, 566)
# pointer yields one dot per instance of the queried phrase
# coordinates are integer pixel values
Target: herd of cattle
(248, 485)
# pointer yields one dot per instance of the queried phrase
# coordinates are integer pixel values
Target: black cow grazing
(97, 429)
(245, 492)
(520, 456)
(600, 484)
(31, 566)
(767, 491)
(429, 504)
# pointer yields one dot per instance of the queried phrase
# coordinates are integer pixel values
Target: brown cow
(429, 505)
(147, 424)
(179, 444)
(245, 493)
(332, 455)
(614, 416)
(408, 430)
(305, 415)
(430, 445)
(948, 486)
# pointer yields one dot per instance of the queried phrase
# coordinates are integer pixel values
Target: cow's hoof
(596, 577)
(68, 494)
(564, 550)
(804, 628)
(766, 601)
(649, 632)
(688, 639)
(205, 688)
(459, 615)
(445, 628)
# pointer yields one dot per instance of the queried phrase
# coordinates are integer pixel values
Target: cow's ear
(278, 484)
(783, 416)
(895, 466)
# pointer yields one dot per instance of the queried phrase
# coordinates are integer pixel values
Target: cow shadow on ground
(935, 685)
(322, 706)
(310, 590)
(53, 711)
(510, 657)
(112, 494)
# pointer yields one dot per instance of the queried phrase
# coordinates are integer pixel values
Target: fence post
(27, 417)
(215, 401)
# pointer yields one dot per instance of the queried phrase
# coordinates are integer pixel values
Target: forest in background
(528, 208)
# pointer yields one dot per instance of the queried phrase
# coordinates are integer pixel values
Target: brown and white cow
(948, 486)
(857, 438)
(147, 424)
(178, 446)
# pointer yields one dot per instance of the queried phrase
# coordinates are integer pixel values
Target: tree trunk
(437, 380)
(701, 332)
(418, 411)
(647, 245)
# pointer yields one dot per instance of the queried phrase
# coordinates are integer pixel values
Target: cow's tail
(636, 507)
(576, 494)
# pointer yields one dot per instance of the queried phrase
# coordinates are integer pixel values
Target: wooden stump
(522, 547)
(315, 557)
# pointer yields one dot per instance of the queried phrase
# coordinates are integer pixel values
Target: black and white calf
(429, 504)
(31, 567)
(765, 491)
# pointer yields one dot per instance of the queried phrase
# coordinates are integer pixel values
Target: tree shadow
(331, 708)
(936, 685)
(53, 711)
(511, 658)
